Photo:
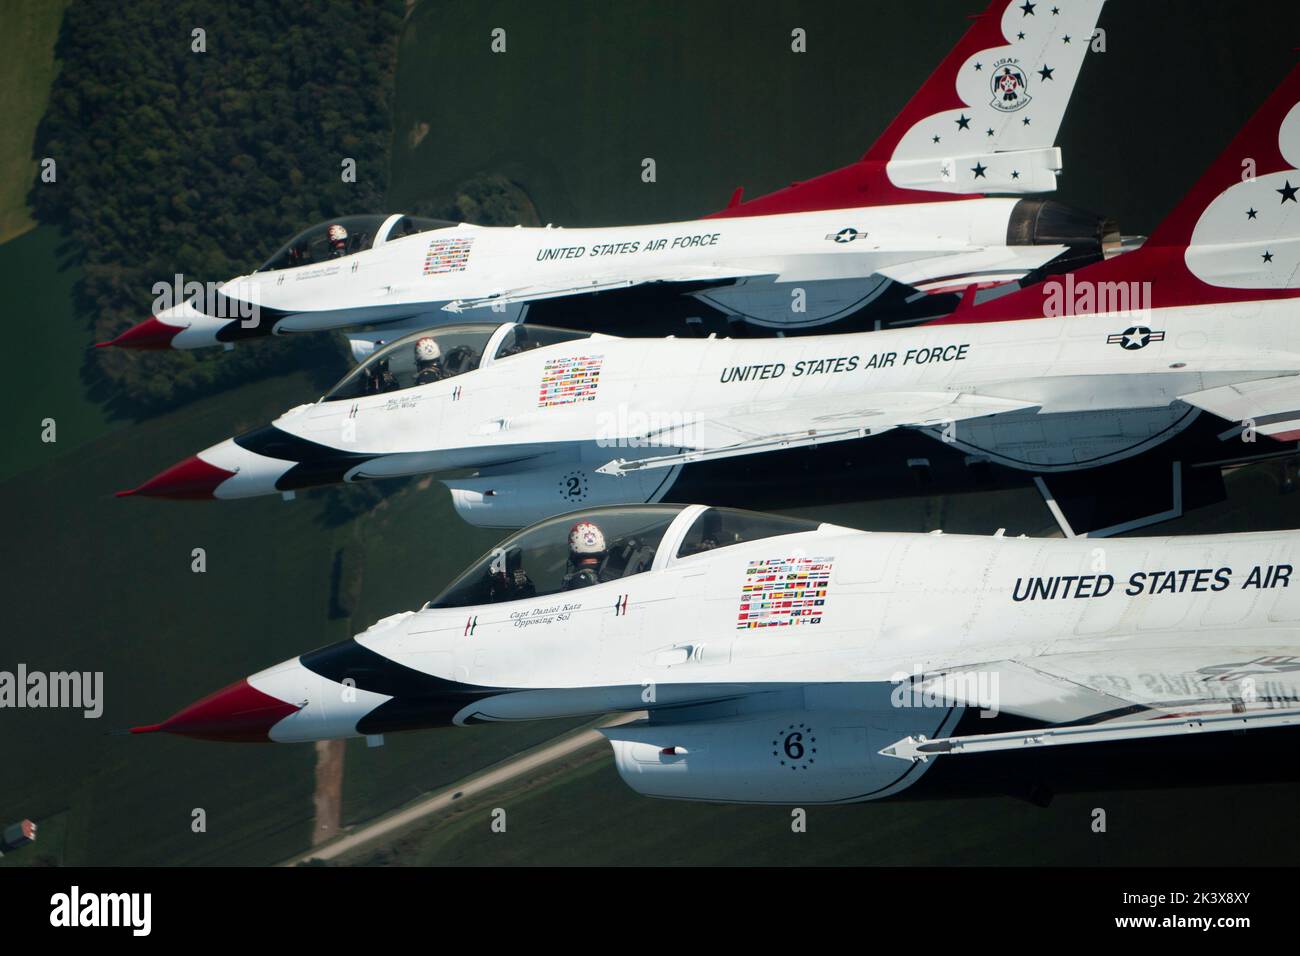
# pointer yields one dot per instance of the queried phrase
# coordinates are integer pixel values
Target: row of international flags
(783, 592)
(569, 380)
(447, 255)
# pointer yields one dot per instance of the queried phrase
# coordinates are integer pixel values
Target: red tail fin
(1019, 60)
(1235, 237)
(984, 122)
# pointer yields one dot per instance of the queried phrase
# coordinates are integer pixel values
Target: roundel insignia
(574, 486)
(847, 234)
(1009, 87)
(795, 746)
(1135, 337)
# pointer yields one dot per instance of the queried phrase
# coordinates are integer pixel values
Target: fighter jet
(1070, 375)
(915, 210)
(780, 660)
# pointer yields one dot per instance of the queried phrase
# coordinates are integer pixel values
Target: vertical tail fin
(1240, 224)
(1004, 88)
(1234, 237)
(984, 122)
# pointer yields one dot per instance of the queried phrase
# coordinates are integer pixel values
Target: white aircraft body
(779, 660)
(1042, 379)
(913, 210)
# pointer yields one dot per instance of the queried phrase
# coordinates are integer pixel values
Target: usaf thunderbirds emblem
(1010, 91)
(847, 234)
(1135, 337)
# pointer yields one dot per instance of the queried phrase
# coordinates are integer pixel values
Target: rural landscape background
(204, 163)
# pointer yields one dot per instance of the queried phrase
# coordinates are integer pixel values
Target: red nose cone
(149, 334)
(238, 712)
(191, 478)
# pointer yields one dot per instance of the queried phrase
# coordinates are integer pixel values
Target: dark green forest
(202, 163)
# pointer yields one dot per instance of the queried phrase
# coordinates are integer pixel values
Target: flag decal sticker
(569, 380)
(784, 592)
(447, 255)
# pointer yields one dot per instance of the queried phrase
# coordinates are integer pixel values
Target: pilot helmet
(337, 233)
(586, 539)
(426, 350)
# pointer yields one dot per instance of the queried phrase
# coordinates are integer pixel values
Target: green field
(586, 816)
(585, 91)
(101, 584)
(712, 92)
(27, 68)
(46, 381)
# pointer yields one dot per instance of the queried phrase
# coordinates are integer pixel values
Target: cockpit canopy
(524, 338)
(346, 235)
(542, 559)
(723, 527)
(455, 350)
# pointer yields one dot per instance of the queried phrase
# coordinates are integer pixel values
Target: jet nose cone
(191, 478)
(238, 712)
(149, 334)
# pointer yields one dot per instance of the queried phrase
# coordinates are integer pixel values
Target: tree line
(200, 153)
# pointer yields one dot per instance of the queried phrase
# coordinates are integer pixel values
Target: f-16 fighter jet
(1203, 319)
(782, 661)
(913, 210)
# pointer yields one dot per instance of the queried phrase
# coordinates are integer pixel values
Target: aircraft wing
(1161, 687)
(731, 288)
(1271, 406)
(929, 273)
(607, 283)
(745, 746)
(731, 431)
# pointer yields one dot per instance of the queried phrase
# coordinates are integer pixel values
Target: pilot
(505, 583)
(712, 534)
(338, 237)
(428, 362)
(520, 341)
(587, 552)
(380, 379)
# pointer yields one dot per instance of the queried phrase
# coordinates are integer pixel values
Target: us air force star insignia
(1135, 337)
(1258, 665)
(847, 234)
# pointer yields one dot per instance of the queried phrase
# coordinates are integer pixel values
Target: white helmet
(586, 538)
(426, 350)
(337, 233)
